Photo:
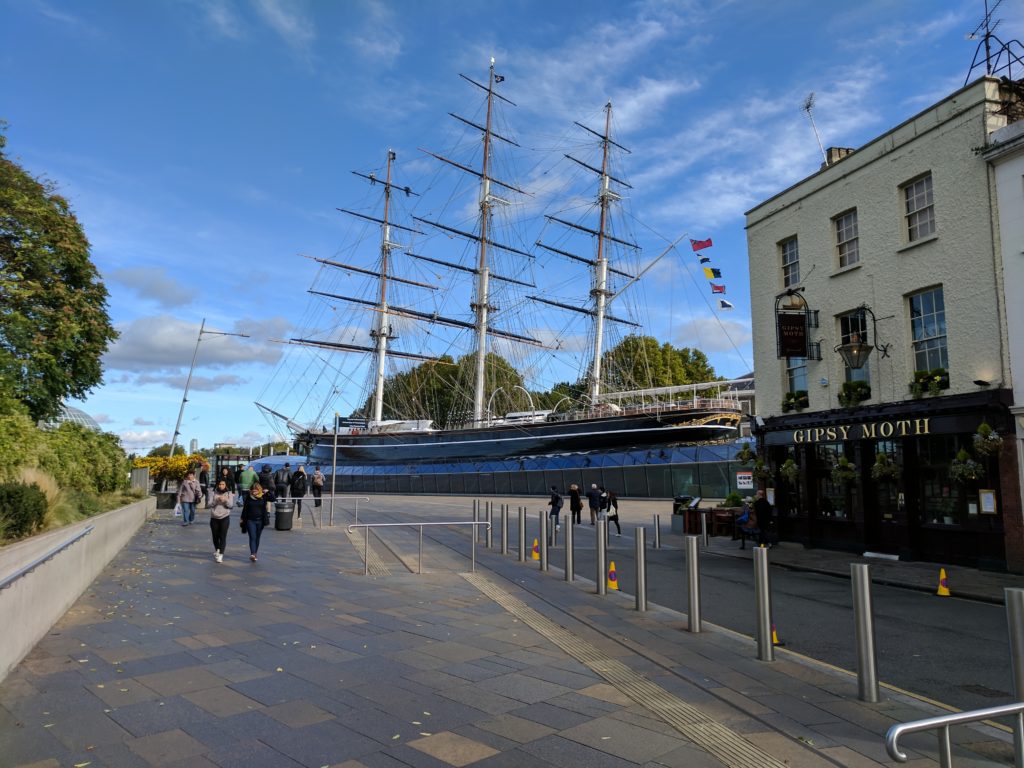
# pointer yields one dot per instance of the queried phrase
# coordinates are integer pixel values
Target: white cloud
(103, 418)
(150, 438)
(154, 283)
(289, 21)
(369, 43)
(200, 383)
(713, 334)
(221, 16)
(163, 343)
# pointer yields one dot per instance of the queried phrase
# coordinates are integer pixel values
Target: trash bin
(283, 515)
(679, 504)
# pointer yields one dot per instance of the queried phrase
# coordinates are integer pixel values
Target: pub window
(853, 327)
(790, 254)
(919, 208)
(928, 330)
(847, 240)
(796, 373)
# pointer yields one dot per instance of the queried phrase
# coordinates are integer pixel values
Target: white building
(893, 254)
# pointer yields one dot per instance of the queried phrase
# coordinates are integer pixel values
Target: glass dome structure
(74, 415)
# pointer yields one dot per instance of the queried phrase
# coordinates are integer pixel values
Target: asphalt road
(947, 649)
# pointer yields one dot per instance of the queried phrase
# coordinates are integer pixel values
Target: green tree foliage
(54, 325)
(640, 362)
(22, 510)
(439, 391)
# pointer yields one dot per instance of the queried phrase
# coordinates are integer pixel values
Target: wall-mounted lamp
(982, 383)
(855, 352)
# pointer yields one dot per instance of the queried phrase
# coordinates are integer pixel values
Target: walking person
(246, 479)
(575, 504)
(220, 518)
(204, 482)
(594, 501)
(556, 507)
(227, 478)
(317, 486)
(266, 478)
(298, 489)
(282, 480)
(255, 516)
(188, 494)
(612, 511)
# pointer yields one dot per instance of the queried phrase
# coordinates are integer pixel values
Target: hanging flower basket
(964, 469)
(789, 471)
(929, 382)
(795, 401)
(745, 455)
(987, 441)
(761, 472)
(844, 471)
(853, 393)
(884, 470)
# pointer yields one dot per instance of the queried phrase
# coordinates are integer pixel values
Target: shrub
(733, 500)
(22, 509)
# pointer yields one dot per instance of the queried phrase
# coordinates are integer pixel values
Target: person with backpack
(612, 510)
(575, 504)
(318, 486)
(556, 507)
(298, 489)
(282, 480)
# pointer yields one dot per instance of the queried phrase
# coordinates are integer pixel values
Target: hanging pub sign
(792, 330)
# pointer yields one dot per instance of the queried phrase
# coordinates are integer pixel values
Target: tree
(54, 326)
(640, 362)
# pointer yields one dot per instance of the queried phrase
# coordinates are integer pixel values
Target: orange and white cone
(613, 578)
(775, 636)
(943, 590)
(536, 550)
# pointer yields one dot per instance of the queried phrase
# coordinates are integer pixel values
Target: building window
(847, 239)
(796, 373)
(928, 329)
(853, 327)
(790, 262)
(920, 209)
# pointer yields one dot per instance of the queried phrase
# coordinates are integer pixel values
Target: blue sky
(205, 146)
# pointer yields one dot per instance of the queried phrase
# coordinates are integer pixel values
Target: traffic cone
(536, 550)
(613, 579)
(943, 590)
(775, 636)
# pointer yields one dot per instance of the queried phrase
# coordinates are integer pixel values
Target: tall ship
(482, 416)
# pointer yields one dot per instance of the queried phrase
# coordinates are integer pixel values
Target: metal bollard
(569, 565)
(762, 591)
(543, 540)
(641, 568)
(504, 529)
(704, 537)
(489, 535)
(693, 584)
(1015, 625)
(602, 559)
(656, 543)
(864, 629)
(475, 533)
(522, 534)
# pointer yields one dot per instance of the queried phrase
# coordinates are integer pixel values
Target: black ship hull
(508, 441)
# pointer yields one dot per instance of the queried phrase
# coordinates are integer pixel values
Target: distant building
(74, 416)
(193, 446)
(888, 318)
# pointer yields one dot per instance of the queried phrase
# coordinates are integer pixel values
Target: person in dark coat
(228, 478)
(317, 486)
(556, 507)
(204, 482)
(594, 501)
(612, 511)
(255, 516)
(575, 504)
(282, 480)
(762, 511)
(266, 478)
(298, 488)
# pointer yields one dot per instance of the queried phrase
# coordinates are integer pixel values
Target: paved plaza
(171, 659)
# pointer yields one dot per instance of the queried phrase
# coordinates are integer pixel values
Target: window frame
(846, 333)
(794, 364)
(790, 268)
(851, 244)
(922, 216)
(926, 345)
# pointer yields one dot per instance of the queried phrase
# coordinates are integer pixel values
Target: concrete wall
(32, 605)
(960, 256)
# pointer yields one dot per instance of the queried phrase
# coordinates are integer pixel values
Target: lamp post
(188, 381)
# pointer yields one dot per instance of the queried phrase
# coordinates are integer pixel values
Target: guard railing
(942, 724)
(421, 526)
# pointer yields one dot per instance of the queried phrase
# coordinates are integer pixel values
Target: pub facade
(887, 418)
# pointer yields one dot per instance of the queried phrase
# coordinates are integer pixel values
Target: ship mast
(605, 197)
(382, 333)
(481, 306)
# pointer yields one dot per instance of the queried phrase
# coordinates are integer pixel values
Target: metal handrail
(943, 722)
(8, 580)
(366, 539)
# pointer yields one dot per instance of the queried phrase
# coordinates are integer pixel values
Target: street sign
(745, 480)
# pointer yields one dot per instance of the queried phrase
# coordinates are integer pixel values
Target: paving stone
(161, 748)
(149, 717)
(622, 739)
(297, 714)
(222, 701)
(524, 689)
(571, 754)
(547, 714)
(516, 729)
(453, 749)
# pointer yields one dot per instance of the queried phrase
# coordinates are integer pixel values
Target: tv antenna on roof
(1005, 56)
(808, 106)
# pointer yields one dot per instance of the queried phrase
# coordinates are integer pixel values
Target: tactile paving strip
(376, 565)
(721, 742)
